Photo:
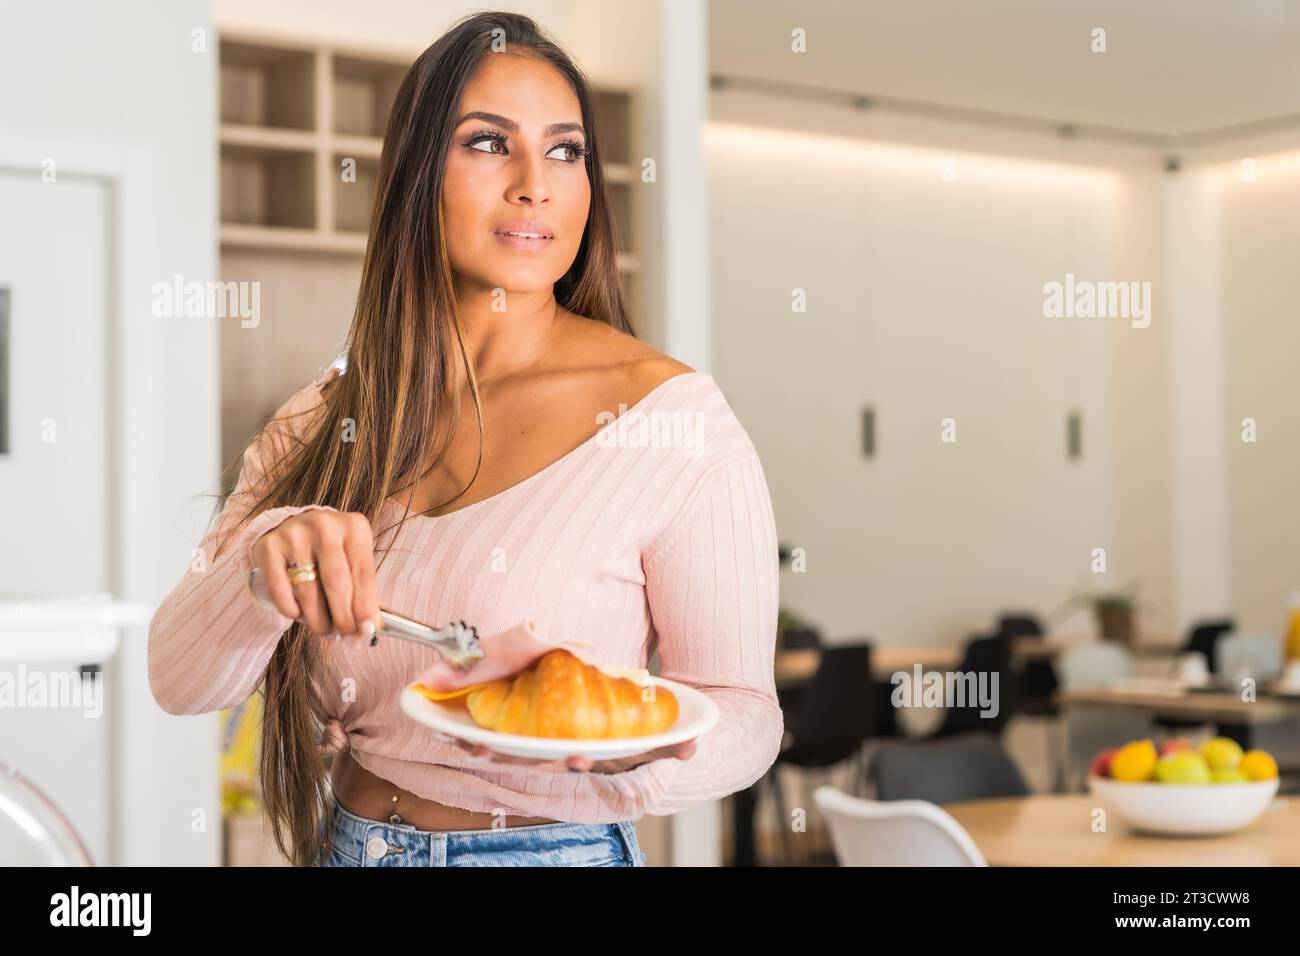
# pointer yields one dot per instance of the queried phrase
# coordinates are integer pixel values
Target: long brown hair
(398, 391)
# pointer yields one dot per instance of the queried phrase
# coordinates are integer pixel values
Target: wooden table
(1206, 707)
(1049, 648)
(795, 666)
(1056, 830)
(1232, 717)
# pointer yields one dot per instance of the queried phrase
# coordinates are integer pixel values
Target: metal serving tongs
(457, 642)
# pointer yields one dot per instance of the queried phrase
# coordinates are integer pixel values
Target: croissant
(562, 696)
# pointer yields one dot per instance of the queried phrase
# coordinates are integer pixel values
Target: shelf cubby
(364, 90)
(292, 112)
(267, 86)
(353, 200)
(267, 186)
(613, 110)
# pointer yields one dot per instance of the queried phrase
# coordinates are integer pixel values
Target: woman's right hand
(343, 598)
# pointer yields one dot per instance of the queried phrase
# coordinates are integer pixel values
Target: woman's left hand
(580, 764)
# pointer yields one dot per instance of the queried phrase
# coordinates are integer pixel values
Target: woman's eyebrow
(511, 125)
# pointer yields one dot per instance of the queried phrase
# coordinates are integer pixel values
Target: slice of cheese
(443, 694)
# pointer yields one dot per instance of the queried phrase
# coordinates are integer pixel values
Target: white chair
(1248, 655)
(894, 832)
(1091, 730)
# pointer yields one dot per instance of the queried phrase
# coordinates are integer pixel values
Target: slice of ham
(508, 653)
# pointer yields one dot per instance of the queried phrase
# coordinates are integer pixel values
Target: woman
(489, 288)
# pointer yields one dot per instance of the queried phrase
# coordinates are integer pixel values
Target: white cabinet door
(54, 477)
(54, 480)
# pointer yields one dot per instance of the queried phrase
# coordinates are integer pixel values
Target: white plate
(696, 715)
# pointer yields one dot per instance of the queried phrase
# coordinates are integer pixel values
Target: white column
(1193, 309)
(682, 178)
(687, 314)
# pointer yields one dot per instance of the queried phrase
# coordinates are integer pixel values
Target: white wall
(118, 85)
(925, 301)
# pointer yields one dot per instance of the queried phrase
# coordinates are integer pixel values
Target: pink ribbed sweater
(659, 526)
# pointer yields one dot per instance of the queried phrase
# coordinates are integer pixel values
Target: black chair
(970, 766)
(1020, 624)
(830, 723)
(1033, 693)
(800, 638)
(1204, 637)
(792, 639)
(1035, 684)
(984, 655)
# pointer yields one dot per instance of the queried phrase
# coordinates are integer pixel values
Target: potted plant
(1115, 612)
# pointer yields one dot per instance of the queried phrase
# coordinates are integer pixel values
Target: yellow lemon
(1135, 762)
(1258, 765)
(1221, 753)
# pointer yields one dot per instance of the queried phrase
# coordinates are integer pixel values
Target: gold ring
(302, 573)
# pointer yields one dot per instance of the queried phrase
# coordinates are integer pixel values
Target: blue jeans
(362, 842)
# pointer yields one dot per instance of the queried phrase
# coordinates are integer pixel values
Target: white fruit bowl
(1184, 809)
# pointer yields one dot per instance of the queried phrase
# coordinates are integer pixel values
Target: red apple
(1101, 763)
(1173, 746)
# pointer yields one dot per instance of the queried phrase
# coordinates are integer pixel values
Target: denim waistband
(359, 841)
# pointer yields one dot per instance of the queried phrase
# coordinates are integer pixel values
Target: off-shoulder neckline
(405, 514)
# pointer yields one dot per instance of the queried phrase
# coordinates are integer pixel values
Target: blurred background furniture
(1204, 637)
(1034, 685)
(1090, 730)
(969, 766)
(1254, 656)
(830, 724)
(984, 656)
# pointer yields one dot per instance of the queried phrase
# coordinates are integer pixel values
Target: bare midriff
(362, 793)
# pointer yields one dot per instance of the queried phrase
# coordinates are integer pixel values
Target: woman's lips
(522, 242)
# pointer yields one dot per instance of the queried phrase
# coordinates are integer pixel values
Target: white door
(54, 472)
(54, 476)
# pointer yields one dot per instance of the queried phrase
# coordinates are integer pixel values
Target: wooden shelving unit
(291, 115)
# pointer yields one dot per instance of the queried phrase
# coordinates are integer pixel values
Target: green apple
(1183, 766)
(1228, 775)
(1221, 753)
